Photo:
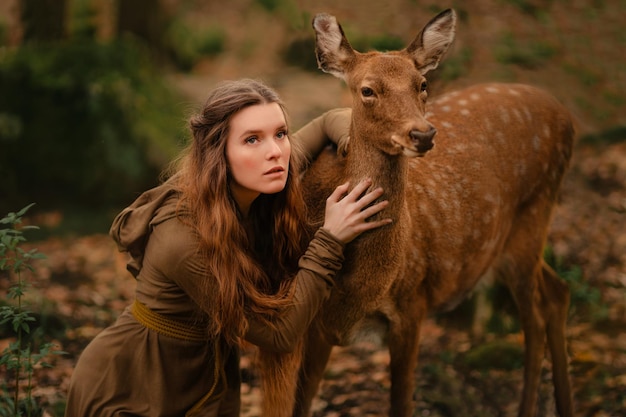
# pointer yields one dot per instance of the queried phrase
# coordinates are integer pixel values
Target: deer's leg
(555, 297)
(403, 342)
(527, 296)
(520, 267)
(316, 355)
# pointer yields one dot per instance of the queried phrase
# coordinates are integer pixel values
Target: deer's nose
(423, 140)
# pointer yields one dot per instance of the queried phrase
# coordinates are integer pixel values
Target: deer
(471, 179)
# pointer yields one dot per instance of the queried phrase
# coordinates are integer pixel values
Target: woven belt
(166, 326)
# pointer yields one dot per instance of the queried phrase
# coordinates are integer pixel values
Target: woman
(220, 254)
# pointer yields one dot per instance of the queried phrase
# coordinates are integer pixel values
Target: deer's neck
(386, 171)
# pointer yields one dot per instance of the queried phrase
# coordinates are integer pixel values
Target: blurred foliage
(454, 66)
(299, 52)
(496, 354)
(187, 45)
(82, 121)
(530, 55)
(530, 8)
(43, 20)
(3, 32)
(586, 304)
(382, 42)
(615, 134)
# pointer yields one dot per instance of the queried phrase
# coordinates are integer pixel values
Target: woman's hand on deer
(347, 212)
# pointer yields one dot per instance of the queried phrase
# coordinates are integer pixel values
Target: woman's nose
(274, 150)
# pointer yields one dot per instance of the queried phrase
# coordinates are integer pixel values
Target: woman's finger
(360, 188)
(373, 209)
(339, 192)
(370, 197)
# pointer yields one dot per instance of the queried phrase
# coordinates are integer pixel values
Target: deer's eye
(367, 92)
(424, 86)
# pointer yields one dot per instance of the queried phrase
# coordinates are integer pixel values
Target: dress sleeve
(177, 260)
(314, 280)
(334, 125)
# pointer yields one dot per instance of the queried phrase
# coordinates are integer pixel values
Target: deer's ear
(332, 50)
(432, 43)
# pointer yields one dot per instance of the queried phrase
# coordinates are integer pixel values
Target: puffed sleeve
(314, 280)
(334, 125)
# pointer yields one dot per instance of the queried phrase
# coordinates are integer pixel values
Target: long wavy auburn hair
(251, 262)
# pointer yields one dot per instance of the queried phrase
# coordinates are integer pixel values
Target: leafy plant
(21, 357)
(585, 299)
(188, 45)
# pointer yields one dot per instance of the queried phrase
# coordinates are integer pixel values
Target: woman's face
(257, 152)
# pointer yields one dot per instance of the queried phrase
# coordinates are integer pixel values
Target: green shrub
(188, 45)
(301, 53)
(531, 55)
(455, 65)
(22, 356)
(585, 300)
(378, 43)
(498, 354)
(82, 121)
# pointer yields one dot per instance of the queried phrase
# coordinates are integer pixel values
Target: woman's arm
(334, 125)
(172, 251)
(345, 219)
(313, 282)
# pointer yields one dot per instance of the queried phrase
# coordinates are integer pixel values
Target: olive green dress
(155, 360)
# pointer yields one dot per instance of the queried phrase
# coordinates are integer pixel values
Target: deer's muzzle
(423, 141)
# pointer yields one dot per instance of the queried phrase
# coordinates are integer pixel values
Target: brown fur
(479, 202)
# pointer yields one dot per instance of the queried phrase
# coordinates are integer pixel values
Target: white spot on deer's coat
(513, 92)
(447, 264)
(493, 90)
(461, 147)
(493, 199)
(504, 115)
(446, 109)
(475, 96)
(463, 102)
(536, 142)
(529, 117)
(489, 245)
(518, 114)
(447, 125)
(488, 124)
(465, 112)
(546, 131)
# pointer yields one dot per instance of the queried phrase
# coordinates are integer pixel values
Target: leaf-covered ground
(82, 286)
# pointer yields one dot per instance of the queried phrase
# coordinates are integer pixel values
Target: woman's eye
(367, 92)
(251, 139)
(281, 134)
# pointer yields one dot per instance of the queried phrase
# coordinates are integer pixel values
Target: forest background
(94, 98)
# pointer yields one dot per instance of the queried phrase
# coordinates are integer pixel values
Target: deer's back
(500, 150)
